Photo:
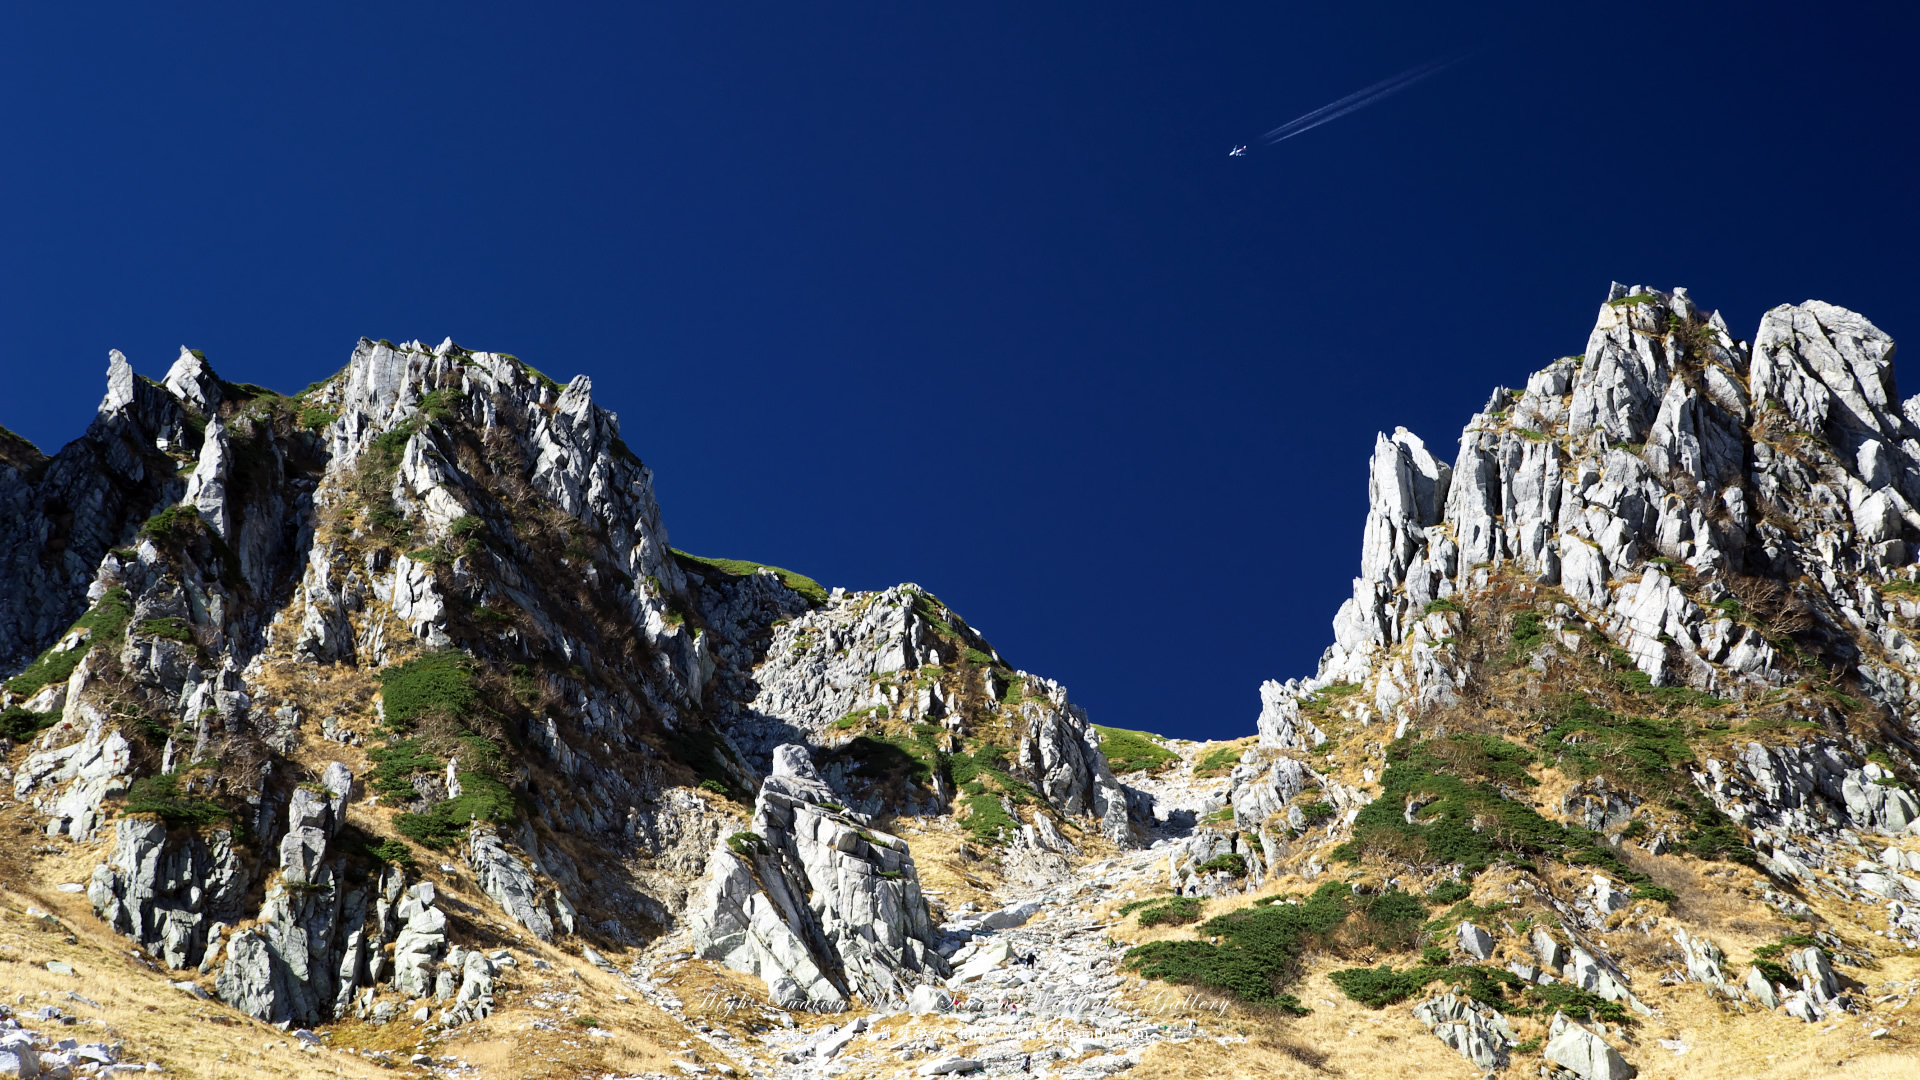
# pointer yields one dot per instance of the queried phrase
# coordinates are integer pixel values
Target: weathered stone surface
(507, 881)
(60, 516)
(1479, 1033)
(1706, 963)
(814, 902)
(68, 783)
(1475, 942)
(1584, 1055)
(169, 893)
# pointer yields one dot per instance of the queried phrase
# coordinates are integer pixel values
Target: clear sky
(963, 294)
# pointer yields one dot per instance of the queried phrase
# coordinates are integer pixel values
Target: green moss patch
(21, 724)
(1220, 760)
(105, 622)
(1463, 817)
(481, 798)
(799, 583)
(439, 682)
(1133, 751)
(1256, 952)
(161, 796)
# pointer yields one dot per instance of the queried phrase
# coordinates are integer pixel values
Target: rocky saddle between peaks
(1618, 724)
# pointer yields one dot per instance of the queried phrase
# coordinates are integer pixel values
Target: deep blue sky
(968, 295)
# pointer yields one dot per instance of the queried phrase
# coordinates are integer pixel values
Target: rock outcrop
(1671, 581)
(1480, 1034)
(814, 901)
(59, 516)
(1575, 1053)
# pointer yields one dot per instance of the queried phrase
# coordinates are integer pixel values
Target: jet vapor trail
(1358, 100)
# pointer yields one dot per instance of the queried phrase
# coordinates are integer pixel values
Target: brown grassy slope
(534, 1033)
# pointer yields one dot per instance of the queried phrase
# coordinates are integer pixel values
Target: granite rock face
(173, 897)
(899, 656)
(1708, 541)
(1695, 503)
(814, 902)
(1575, 1053)
(1480, 1034)
(59, 516)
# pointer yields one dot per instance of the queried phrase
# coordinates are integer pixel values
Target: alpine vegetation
(385, 720)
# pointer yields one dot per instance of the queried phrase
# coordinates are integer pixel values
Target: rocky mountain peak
(349, 697)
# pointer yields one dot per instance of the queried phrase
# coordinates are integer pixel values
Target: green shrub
(20, 724)
(975, 656)
(393, 853)
(105, 622)
(1713, 834)
(1133, 751)
(170, 628)
(1577, 1003)
(859, 716)
(882, 757)
(161, 796)
(1528, 632)
(1382, 986)
(313, 417)
(799, 583)
(491, 618)
(1232, 863)
(482, 798)
(1444, 603)
(714, 786)
(1639, 753)
(747, 844)
(987, 822)
(437, 682)
(1260, 948)
(1316, 812)
(173, 526)
(1219, 761)
(1450, 892)
(1654, 892)
(396, 763)
(1016, 690)
(431, 556)
(1464, 818)
(441, 404)
(1175, 911)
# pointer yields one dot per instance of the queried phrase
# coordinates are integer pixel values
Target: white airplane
(1238, 151)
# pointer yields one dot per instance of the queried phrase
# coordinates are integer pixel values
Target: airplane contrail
(1359, 99)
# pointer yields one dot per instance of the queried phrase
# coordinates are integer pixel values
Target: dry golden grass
(950, 868)
(132, 1001)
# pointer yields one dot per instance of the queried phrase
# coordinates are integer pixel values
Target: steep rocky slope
(387, 710)
(427, 609)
